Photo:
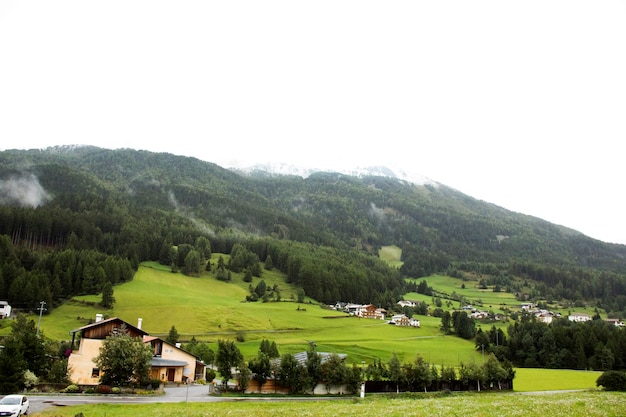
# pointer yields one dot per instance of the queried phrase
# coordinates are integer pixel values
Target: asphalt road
(190, 393)
(184, 393)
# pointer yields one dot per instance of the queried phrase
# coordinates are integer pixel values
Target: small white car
(14, 405)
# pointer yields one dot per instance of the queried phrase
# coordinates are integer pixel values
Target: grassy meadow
(209, 310)
(579, 404)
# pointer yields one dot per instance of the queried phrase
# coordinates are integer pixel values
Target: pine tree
(107, 295)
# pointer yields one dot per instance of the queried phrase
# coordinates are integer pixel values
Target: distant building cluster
(370, 311)
(546, 316)
(477, 314)
(366, 311)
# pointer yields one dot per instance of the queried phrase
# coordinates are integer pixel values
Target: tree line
(562, 344)
(331, 371)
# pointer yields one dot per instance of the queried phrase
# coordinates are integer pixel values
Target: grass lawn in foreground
(535, 379)
(579, 404)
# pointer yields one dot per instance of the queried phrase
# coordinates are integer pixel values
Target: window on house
(95, 373)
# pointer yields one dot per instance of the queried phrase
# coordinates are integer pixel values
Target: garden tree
(191, 345)
(227, 357)
(58, 371)
(334, 371)
(124, 360)
(472, 373)
(210, 375)
(172, 336)
(394, 368)
(376, 370)
(313, 366)
(12, 366)
(354, 378)
(31, 346)
(193, 263)
(204, 352)
(107, 295)
(417, 376)
(243, 376)
(261, 368)
(448, 374)
(494, 371)
(290, 374)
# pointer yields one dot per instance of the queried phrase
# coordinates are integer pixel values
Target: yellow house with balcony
(169, 363)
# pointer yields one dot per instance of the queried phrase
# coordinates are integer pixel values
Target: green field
(485, 299)
(579, 404)
(209, 310)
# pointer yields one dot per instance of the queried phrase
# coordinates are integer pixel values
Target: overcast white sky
(519, 103)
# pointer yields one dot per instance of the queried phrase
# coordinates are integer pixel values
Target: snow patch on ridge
(282, 168)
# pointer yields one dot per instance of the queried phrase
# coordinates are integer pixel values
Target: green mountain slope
(127, 203)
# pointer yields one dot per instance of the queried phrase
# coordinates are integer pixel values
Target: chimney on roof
(139, 323)
(98, 317)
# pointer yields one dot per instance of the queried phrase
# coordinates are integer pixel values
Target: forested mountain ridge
(128, 204)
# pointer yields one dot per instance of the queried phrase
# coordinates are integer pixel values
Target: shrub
(154, 383)
(210, 375)
(30, 379)
(612, 381)
(104, 389)
(116, 390)
(72, 389)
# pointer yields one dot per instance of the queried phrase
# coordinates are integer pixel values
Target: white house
(5, 310)
(402, 320)
(406, 303)
(579, 317)
(545, 317)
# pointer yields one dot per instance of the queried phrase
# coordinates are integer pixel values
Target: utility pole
(41, 310)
